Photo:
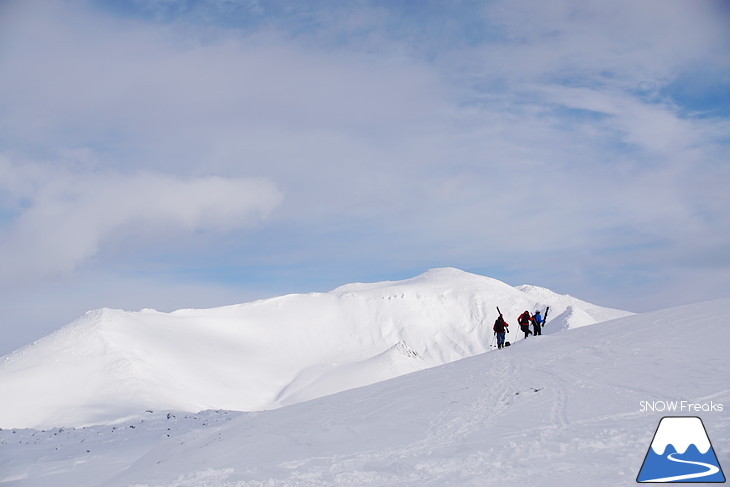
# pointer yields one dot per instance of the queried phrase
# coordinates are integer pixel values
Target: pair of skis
(544, 318)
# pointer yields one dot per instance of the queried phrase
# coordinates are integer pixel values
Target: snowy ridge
(112, 364)
(573, 311)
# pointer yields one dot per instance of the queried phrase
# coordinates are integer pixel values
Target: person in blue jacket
(537, 323)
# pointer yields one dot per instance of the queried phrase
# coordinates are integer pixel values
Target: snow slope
(561, 410)
(112, 364)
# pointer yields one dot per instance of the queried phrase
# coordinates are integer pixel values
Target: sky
(176, 154)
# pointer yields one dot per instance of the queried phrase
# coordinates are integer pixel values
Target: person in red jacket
(501, 328)
(524, 322)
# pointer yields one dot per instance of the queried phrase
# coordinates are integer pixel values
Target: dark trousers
(526, 330)
(536, 329)
(500, 340)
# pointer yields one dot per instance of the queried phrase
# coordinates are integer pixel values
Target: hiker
(524, 322)
(501, 328)
(537, 323)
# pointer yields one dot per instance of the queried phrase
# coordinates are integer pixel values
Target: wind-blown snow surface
(113, 364)
(560, 410)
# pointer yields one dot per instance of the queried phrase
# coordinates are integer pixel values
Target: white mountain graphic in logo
(681, 452)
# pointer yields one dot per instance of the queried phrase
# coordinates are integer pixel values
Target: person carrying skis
(524, 322)
(501, 328)
(537, 323)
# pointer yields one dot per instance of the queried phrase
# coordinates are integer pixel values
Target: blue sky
(172, 154)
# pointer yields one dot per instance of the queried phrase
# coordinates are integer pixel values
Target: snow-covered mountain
(112, 364)
(680, 432)
(562, 410)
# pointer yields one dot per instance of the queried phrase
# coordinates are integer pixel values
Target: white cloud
(63, 217)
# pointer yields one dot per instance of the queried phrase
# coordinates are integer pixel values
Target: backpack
(499, 325)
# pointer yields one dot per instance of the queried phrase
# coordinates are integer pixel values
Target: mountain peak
(447, 272)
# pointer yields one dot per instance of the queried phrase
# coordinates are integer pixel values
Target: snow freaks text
(679, 407)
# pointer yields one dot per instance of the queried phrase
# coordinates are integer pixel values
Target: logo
(681, 452)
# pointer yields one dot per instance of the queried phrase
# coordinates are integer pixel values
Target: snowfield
(563, 409)
(112, 364)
